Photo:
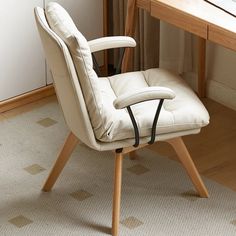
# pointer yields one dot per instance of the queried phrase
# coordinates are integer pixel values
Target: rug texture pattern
(158, 198)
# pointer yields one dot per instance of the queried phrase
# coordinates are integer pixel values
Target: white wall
(171, 47)
(22, 62)
(221, 74)
(22, 65)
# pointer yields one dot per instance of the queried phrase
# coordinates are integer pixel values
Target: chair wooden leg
(117, 194)
(186, 160)
(62, 159)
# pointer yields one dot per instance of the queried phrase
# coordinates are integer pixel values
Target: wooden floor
(213, 150)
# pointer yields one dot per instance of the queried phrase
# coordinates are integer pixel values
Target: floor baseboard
(26, 98)
(216, 91)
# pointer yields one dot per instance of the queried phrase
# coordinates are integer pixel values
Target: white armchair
(122, 113)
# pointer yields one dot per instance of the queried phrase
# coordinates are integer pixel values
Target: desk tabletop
(203, 11)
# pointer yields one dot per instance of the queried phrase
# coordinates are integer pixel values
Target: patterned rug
(157, 195)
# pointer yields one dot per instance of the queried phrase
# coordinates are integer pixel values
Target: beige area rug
(157, 196)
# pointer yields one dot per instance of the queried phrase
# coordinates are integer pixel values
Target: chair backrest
(66, 82)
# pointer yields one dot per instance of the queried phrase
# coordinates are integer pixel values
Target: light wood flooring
(213, 150)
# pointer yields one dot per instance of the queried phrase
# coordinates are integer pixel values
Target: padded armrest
(111, 42)
(142, 95)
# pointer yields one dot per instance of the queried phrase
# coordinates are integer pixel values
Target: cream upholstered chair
(115, 113)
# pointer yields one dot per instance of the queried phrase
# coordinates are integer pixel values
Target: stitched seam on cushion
(108, 78)
(112, 86)
(107, 130)
(124, 109)
(145, 79)
(173, 119)
(162, 126)
(172, 113)
(146, 128)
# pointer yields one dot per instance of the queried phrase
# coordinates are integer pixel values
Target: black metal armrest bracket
(118, 67)
(154, 125)
(136, 131)
(96, 66)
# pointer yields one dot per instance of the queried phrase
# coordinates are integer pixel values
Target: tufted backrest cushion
(62, 24)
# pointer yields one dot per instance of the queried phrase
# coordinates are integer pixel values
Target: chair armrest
(142, 95)
(111, 42)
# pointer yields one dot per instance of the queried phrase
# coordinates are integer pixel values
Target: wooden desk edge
(222, 36)
(202, 28)
(179, 18)
(144, 4)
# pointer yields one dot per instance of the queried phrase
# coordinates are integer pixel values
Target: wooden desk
(195, 16)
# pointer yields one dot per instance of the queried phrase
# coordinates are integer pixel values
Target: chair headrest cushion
(62, 24)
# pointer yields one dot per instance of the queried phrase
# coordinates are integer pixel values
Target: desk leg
(201, 67)
(129, 31)
(127, 63)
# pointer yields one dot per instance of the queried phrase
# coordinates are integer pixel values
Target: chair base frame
(176, 143)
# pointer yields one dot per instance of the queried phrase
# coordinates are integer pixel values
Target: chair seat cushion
(184, 112)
